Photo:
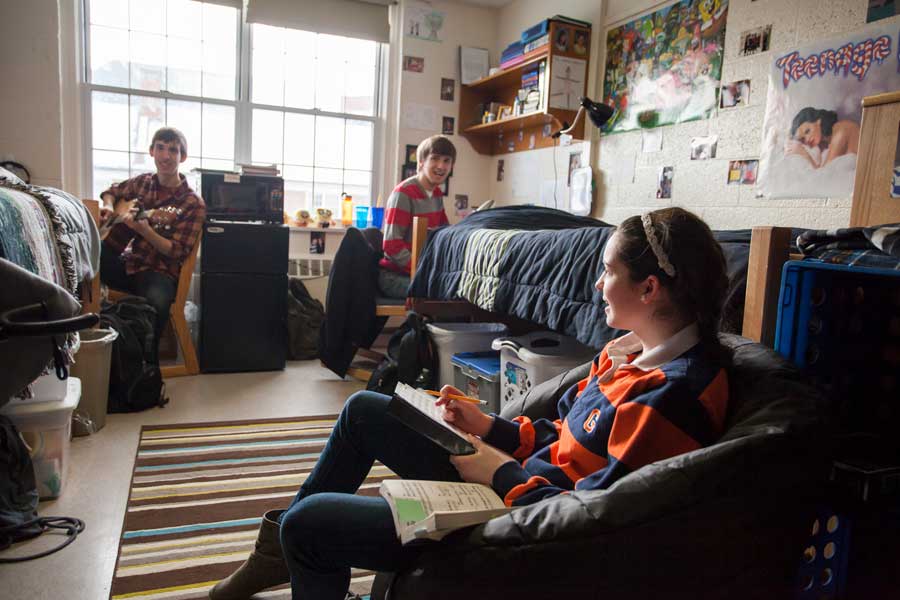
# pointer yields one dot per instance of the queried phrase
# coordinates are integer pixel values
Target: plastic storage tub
(46, 428)
(453, 338)
(534, 358)
(477, 374)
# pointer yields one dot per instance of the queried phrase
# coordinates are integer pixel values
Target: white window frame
(243, 107)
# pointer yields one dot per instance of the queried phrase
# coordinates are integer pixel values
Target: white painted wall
(701, 185)
(30, 113)
(464, 26)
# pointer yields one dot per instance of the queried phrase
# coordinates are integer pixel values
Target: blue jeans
(328, 528)
(158, 288)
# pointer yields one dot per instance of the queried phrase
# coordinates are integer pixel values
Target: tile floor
(96, 489)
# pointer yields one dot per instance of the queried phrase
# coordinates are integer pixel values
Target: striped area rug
(198, 492)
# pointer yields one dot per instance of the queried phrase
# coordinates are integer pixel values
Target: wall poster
(665, 67)
(813, 111)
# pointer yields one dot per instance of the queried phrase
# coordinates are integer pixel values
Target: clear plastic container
(453, 338)
(477, 375)
(46, 428)
(531, 359)
(346, 210)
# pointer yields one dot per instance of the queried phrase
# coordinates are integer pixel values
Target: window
(309, 104)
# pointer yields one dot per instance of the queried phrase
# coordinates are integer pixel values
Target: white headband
(661, 258)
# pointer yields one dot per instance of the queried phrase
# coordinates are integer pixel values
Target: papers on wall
(473, 64)
(580, 192)
(566, 82)
(420, 116)
(623, 168)
(424, 22)
(651, 140)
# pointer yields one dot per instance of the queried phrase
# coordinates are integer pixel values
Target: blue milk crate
(841, 325)
(823, 569)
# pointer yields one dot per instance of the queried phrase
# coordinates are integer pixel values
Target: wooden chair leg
(188, 352)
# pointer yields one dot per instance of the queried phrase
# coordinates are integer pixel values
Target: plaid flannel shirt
(183, 230)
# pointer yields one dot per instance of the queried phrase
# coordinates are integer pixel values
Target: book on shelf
(432, 509)
(416, 409)
(249, 169)
(570, 21)
(536, 43)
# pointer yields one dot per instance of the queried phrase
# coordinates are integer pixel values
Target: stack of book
(571, 21)
(536, 45)
(268, 170)
(532, 88)
(512, 55)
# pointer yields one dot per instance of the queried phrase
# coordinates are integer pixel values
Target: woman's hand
(481, 466)
(465, 415)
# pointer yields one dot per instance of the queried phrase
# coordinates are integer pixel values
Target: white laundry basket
(534, 358)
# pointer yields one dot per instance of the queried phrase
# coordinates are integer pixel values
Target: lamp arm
(573, 125)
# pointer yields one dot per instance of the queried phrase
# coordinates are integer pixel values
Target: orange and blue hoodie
(634, 408)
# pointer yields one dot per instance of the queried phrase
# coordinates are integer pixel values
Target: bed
(540, 265)
(53, 235)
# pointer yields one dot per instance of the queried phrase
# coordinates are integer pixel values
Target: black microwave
(233, 197)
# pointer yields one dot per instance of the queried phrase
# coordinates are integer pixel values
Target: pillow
(10, 176)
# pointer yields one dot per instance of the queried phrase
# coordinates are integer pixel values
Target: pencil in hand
(456, 397)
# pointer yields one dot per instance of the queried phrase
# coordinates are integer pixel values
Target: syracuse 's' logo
(591, 422)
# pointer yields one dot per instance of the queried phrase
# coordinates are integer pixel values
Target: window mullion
(243, 132)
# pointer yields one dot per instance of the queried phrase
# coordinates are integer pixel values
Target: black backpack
(412, 358)
(135, 381)
(304, 320)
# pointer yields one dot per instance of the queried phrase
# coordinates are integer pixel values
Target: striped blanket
(198, 492)
(481, 266)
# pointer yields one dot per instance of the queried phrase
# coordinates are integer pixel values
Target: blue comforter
(541, 265)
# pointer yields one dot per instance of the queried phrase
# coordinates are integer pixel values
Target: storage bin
(92, 363)
(534, 358)
(453, 338)
(477, 375)
(841, 325)
(46, 388)
(46, 428)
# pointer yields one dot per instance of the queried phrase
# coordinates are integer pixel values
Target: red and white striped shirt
(409, 199)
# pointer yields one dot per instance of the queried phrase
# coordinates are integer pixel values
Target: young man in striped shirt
(418, 196)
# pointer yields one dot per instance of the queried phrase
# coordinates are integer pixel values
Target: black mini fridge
(243, 309)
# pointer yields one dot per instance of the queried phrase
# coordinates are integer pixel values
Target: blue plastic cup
(377, 213)
(362, 216)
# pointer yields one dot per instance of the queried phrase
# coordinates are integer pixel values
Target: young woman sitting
(656, 392)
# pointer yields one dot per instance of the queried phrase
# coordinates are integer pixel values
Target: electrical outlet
(565, 140)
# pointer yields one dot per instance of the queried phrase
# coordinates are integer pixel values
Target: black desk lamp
(598, 113)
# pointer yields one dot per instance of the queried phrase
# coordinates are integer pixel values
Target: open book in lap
(432, 509)
(416, 409)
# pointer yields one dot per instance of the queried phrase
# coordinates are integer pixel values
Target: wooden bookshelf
(527, 131)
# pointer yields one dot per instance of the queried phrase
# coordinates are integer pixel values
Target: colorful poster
(813, 111)
(665, 67)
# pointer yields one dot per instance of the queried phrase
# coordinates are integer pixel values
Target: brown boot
(265, 567)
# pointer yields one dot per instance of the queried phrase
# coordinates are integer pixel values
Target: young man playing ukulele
(151, 223)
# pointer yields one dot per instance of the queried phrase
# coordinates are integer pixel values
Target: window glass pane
(110, 12)
(184, 65)
(219, 51)
(147, 15)
(218, 131)
(330, 75)
(299, 137)
(110, 122)
(215, 163)
(331, 47)
(268, 65)
(184, 19)
(329, 142)
(361, 52)
(359, 97)
(300, 55)
(327, 190)
(109, 56)
(141, 162)
(147, 115)
(298, 189)
(358, 185)
(268, 131)
(109, 168)
(148, 61)
(358, 152)
(186, 117)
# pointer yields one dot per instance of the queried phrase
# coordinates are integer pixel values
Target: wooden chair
(190, 366)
